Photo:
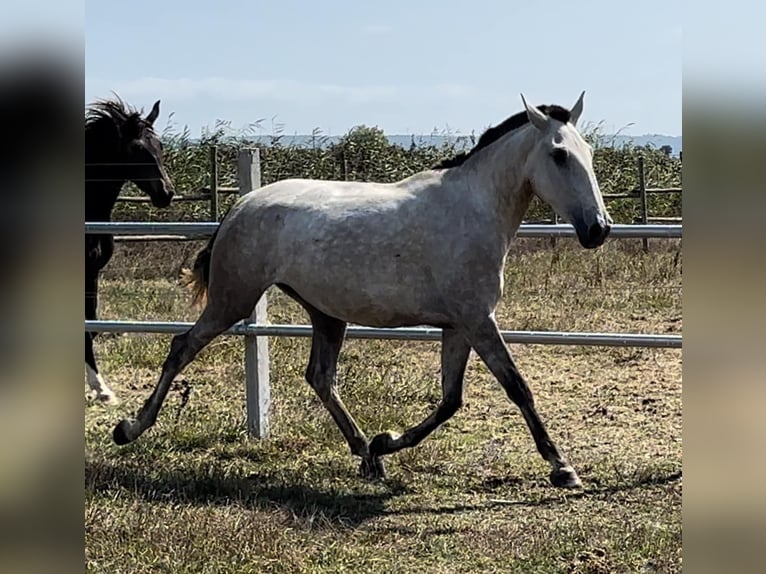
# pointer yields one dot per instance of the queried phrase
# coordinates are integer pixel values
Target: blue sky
(406, 66)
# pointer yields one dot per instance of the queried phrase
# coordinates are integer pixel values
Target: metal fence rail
(206, 229)
(399, 334)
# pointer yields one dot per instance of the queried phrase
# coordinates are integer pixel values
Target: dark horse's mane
(496, 132)
(115, 112)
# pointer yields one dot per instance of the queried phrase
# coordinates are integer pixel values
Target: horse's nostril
(596, 232)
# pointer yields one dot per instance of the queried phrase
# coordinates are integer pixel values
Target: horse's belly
(379, 303)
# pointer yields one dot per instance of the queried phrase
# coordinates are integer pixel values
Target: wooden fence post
(214, 183)
(256, 348)
(642, 198)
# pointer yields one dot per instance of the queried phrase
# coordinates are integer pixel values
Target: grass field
(194, 494)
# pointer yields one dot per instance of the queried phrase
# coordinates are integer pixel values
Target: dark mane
(114, 111)
(496, 132)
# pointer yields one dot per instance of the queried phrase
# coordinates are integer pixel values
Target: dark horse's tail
(197, 278)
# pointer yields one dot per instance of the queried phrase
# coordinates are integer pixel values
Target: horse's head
(560, 171)
(142, 151)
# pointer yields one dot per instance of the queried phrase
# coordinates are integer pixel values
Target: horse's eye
(560, 156)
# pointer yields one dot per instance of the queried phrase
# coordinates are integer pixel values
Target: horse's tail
(196, 279)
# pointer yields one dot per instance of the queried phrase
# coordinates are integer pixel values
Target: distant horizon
(436, 139)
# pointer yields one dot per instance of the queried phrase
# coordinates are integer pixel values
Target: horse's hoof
(126, 431)
(372, 468)
(565, 477)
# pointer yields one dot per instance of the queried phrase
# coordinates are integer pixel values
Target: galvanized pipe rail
(206, 229)
(399, 334)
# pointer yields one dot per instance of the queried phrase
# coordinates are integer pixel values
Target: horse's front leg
(489, 345)
(454, 357)
(95, 381)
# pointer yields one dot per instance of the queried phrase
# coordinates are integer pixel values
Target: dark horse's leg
(95, 381)
(326, 342)
(489, 344)
(455, 351)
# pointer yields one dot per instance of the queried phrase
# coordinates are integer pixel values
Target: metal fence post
(256, 348)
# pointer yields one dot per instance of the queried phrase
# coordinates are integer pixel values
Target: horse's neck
(103, 180)
(100, 198)
(103, 173)
(499, 174)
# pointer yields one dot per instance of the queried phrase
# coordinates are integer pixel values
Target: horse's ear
(576, 112)
(536, 117)
(154, 113)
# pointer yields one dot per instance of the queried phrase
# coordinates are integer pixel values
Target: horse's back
(327, 196)
(299, 213)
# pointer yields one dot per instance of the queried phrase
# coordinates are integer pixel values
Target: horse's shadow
(207, 486)
(318, 507)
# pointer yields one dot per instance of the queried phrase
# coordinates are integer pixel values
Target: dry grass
(195, 495)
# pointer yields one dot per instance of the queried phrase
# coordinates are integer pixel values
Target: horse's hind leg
(326, 342)
(454, 357)
(215, 319)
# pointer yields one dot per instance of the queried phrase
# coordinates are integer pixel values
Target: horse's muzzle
(595, 234)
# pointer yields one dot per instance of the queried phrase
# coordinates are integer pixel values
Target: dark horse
(120, 146)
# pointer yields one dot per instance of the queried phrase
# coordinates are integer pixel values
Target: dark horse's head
(122, 146)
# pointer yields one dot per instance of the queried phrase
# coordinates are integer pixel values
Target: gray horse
(427, 250)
